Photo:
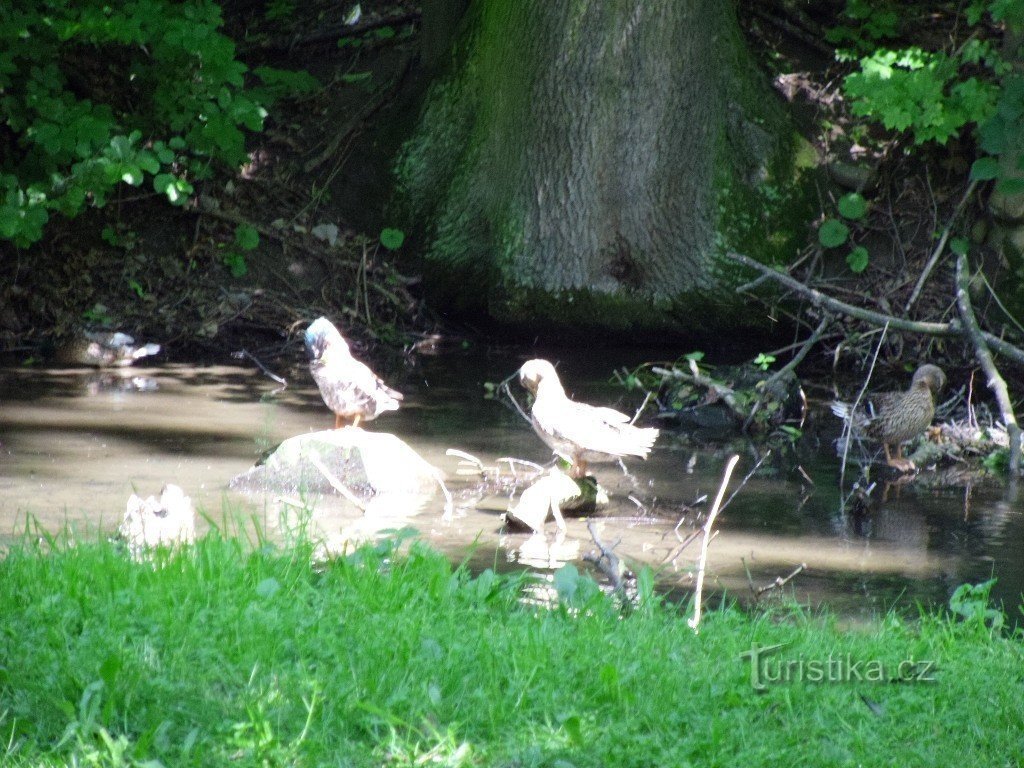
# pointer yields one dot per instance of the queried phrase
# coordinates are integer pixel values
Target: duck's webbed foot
(897, 462)
(902, 465)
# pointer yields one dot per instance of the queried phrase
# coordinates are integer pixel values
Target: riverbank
(230, 654)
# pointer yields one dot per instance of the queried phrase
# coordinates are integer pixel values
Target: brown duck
(893, 418)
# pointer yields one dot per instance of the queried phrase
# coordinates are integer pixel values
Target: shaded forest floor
(315, 191)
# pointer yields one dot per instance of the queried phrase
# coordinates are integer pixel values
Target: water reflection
(73, 448)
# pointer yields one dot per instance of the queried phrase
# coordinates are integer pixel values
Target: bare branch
(694, 621)
(981, 351)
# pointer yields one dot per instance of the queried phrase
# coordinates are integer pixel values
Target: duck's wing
(366, 383)
(600, 430)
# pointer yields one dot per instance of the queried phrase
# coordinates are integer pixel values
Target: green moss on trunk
(588, 163)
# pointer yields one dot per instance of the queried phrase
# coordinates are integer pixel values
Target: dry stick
(819, 299)
(848, 426)
(941, 245)
(608, 563)
(781, 581)
(981, 351)
(694, 621)
(790, 366)
(802, 353)
(261, 366)
(689, 539)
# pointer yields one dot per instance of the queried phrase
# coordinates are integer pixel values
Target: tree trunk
(586, 161)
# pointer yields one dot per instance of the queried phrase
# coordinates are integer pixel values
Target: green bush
(936, 95)
(98, 94)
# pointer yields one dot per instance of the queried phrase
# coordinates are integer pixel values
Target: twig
(609, 563)
(694, 621)
(360, 116)
(848, 426)
(261, 366)
(941, 245)
(337, 32)
(819, 299)
(787, 368)
(801, 354)
(981, 351)
(508, 391)
(467, 458)
(686, 542)
(643, 405)
(781, 581)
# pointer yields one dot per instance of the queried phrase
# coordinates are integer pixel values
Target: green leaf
(162, 182)
(132, 175)
(246, 237)
(857, 259)
(1010, 186)
(391, 238)
(235, 262)
(853, 206)
(833, 233)
(959, 245)
(984, 168)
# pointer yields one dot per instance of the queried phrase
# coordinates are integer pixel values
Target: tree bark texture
(585, 162)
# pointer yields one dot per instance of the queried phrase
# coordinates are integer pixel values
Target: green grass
(226, 654)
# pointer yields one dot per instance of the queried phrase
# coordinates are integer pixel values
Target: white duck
(582, 433)
(348, 387)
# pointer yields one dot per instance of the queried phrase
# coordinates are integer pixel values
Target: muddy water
(75, 444)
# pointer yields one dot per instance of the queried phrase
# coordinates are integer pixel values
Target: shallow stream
(75, 443)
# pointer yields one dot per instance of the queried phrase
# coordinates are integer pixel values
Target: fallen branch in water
(819, 299)
(723, 392)
(981, 351)
(266, 371)
(610, 565)
(694, 621)
(781, 581)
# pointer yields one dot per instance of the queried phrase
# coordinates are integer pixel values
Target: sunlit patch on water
(75, 446)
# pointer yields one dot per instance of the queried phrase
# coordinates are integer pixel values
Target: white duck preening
(348, 387)
(580, 432)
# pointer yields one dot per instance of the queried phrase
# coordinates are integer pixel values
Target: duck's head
(321, 336)
(930, 376)
(536, 371)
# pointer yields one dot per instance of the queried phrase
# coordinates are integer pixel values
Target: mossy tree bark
(585, 162)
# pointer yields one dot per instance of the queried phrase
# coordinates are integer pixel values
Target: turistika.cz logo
(768, 667)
